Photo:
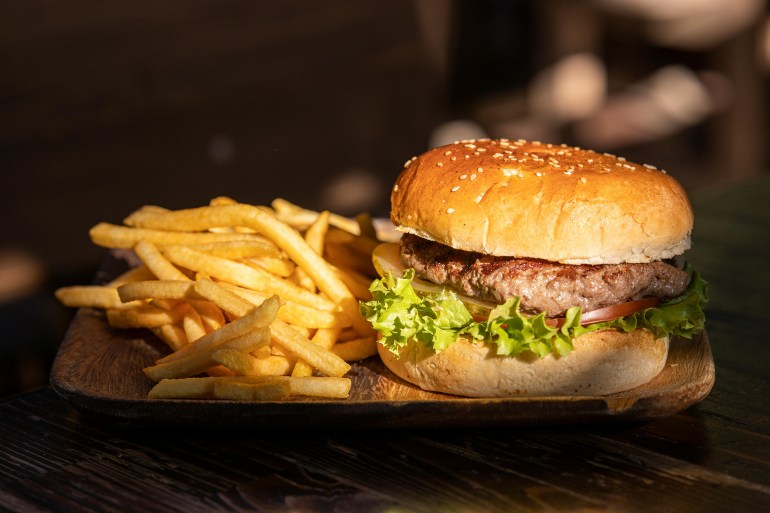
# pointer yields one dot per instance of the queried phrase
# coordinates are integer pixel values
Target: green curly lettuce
(399, 314)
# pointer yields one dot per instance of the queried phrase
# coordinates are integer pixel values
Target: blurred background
(107, 106)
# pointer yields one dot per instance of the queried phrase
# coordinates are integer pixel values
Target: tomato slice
(611, 312)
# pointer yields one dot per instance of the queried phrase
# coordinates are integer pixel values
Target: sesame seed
(439, 164)
(450, 210)
(448, 152)
(395, 187)
(583, 179)
(650, 166)
(455, 188)
(538, 174)
(473, 176)
(497, 155)
(480, 170)
(463, 177)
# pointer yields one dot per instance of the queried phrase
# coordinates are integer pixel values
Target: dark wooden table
(712, 457)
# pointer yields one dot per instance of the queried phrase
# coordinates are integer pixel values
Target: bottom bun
(603, 362)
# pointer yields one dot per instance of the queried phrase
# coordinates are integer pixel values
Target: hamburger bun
(602, 362)
(534, 200)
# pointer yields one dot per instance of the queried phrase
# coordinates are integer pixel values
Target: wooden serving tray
(98, 370)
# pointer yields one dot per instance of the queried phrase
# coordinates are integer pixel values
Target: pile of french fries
(255, 303)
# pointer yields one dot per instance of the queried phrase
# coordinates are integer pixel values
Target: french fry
(292, 313)
(184, 388)
(225, 299)
(242, 274)
(275, 365)
(92, 296)
(219, 371)
(240, 249)
(316, 233)
(222, 200)
(359, 244)
(324, 338)
(240, 363)
(346, 335)
(277, 266)
(211, 315)
(301, 218)
(336, 388)
(366, 227)
(173, 335)
(236, 391)
(259, 317)
(157, 289)
(357, 349)
(193, 325)
(198, 361)
(262, 352)
(289, 339)
(314, 236)
(342, 256)
(138, 273)
(154, 260)
(124, 237)
(358, 284)
(146, 316)
(151, 208)
(202, 388)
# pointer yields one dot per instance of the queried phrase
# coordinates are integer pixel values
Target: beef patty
(543, 286)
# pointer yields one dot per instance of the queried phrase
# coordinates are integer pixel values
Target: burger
(531, 269)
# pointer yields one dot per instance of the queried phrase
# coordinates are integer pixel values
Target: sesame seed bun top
(535, 200)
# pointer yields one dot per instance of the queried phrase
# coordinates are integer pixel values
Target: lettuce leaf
(399, 314)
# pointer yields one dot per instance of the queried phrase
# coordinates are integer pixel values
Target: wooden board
(99, 371)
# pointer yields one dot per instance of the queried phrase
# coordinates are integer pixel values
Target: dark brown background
(106, 106)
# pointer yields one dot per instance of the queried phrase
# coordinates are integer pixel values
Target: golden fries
(198, 361)
(299, 217)
(255, 303)
(93, 296)
(113, 236)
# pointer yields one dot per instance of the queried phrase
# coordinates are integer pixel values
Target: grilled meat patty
(543, 286)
